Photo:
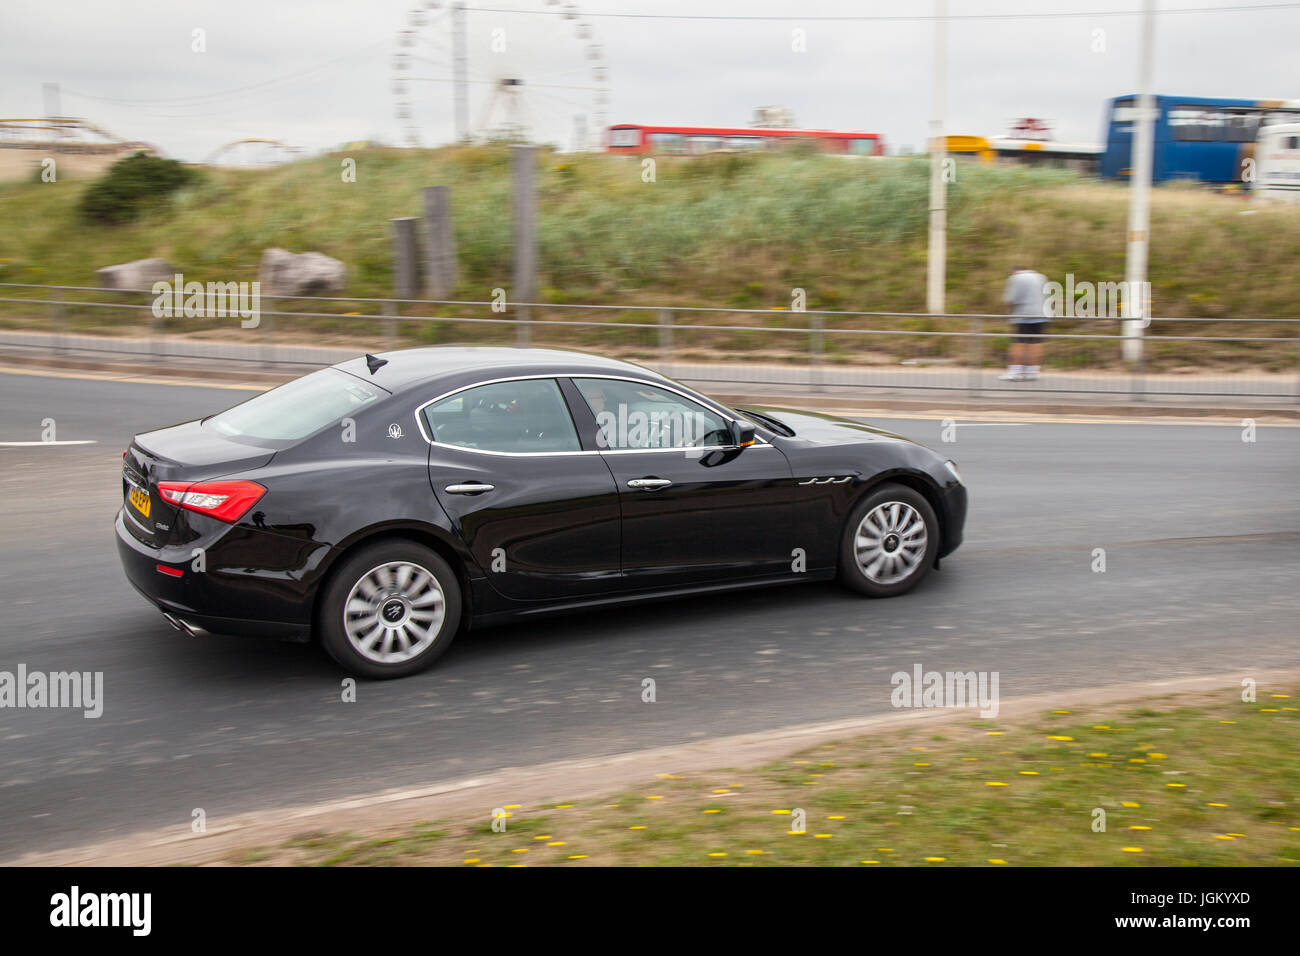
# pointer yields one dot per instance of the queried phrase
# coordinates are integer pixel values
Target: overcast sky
(318, 73)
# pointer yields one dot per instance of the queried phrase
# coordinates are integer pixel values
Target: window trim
(760, 440)
(424, 433)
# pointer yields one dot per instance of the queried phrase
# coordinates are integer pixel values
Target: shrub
(130, 186)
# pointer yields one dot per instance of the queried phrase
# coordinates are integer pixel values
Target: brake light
(226, 501)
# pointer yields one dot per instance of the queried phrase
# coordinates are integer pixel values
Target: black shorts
(1031, 332)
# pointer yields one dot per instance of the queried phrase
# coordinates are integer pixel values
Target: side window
(636, 415)
(523, 416)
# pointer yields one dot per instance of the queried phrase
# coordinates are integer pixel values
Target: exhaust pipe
(183, 626)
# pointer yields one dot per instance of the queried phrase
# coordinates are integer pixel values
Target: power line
(897, 17)
(198, 98)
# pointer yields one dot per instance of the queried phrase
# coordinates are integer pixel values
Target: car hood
(822, 429)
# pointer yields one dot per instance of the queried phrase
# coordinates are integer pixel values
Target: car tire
(390, 609)
(883, 553)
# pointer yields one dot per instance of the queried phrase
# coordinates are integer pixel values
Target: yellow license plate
(139, 499)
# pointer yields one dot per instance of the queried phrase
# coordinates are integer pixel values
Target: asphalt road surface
(1201, 533)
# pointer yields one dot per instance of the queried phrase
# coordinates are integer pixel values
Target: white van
(1277, 156)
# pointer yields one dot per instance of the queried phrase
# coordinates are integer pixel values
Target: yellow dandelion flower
(1156, 756)
(1216, 804)
(993, 733)
(920, 765)
(557, 843)
(1139, 828)
(1000, 862)
(838, 816)
(868, 861)
(1101, 726)
(1132, 849)
(994, 783)
(713, 811)
(1029, 773)
(641, 827)
(547, 837)
(1227, 721)
(1224, 836)
(1176, 785)
(755, 852)
(473, 859)
(577, 856)
(780, 811)
(567, 806)
(1058, 737)
(522, 849)
(935, 859)
(512, 806)
(822, 836)
(1126, 803)
(717, 854)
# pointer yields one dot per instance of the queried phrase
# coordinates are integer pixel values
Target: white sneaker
(1011, 377)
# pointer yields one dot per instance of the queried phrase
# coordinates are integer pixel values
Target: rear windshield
(298, 408)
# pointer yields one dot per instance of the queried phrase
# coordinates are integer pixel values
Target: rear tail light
(224, 500)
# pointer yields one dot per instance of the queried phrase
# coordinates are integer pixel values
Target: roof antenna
(374, 363)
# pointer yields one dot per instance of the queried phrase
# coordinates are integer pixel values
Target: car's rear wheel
(890, 541)
(390, 609)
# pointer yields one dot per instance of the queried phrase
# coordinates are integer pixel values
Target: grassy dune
(730, 231)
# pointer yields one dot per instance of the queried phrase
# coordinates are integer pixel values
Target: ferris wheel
(532, 73)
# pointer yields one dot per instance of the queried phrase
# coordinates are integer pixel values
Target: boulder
(141, 274)
(306, 273)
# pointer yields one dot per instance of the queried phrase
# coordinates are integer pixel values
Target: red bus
(634, 139)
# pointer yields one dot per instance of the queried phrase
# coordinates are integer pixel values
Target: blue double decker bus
(1196, 138)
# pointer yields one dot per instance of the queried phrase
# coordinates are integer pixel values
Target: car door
(539, 513)
(696, 508)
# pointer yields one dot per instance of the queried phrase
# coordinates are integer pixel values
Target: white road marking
(30, 444)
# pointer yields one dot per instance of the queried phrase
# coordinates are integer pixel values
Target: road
(1201, 533)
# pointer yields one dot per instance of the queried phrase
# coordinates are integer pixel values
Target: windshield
(298, 408)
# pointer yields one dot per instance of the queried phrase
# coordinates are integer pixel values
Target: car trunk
(187, 452)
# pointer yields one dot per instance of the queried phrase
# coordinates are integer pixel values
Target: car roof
(460, 365)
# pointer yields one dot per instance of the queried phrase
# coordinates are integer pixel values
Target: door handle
(468, 488)
(649, 484)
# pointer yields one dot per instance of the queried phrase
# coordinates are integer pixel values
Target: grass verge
(1187, 780)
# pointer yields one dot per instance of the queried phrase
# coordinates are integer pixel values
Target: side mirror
(742, 434)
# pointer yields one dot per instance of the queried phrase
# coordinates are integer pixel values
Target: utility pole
(935, 262)
(53, 111)
(525, 237)
(459, 66)
(1137, 307)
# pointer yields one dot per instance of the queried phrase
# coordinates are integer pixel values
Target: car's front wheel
(890, 541)
(390, 609)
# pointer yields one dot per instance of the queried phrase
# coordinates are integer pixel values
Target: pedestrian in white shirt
(1026, 300)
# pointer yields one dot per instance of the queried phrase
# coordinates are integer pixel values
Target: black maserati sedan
(384, 503)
